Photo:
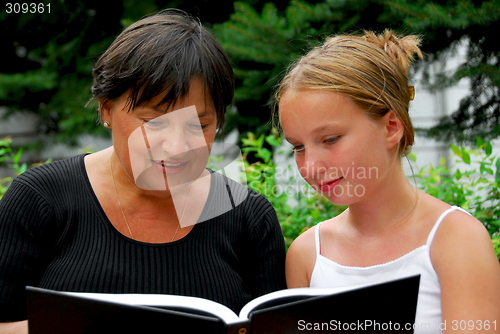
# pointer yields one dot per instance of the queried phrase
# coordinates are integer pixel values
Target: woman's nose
(175, 142)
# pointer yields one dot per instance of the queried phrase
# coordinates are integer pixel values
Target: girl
(344, 108)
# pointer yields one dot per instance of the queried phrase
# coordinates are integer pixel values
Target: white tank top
(328, 273)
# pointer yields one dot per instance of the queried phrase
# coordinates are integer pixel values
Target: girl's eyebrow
(325, 127)
(318, 129)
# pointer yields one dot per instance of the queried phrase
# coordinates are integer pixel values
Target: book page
(178, 303)
(290, 295)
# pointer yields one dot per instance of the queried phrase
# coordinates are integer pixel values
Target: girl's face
(340, 150)
(161, 150)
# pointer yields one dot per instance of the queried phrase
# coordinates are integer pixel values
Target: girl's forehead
(316, 110)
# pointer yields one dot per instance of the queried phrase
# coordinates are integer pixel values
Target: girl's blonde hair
(371, 69)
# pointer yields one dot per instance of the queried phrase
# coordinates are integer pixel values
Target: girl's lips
(328, 186)
(169, 167)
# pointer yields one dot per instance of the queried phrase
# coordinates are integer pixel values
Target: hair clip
(412, 92)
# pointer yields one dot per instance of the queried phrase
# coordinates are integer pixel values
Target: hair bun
(400, 49)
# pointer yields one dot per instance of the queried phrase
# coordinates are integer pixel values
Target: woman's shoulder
(53, 174)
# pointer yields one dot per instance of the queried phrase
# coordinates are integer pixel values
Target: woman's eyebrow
(203, 114)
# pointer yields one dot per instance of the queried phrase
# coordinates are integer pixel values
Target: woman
(344, 108)
(145, 215)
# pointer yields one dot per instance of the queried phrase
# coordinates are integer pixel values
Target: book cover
(387, 307)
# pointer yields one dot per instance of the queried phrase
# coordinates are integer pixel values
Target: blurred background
(47, 58)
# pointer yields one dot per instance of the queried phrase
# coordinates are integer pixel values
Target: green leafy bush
(11, 158)
(7, 155)
(474, 187)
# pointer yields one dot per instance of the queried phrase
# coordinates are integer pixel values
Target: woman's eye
(197, 126)
(152, 123)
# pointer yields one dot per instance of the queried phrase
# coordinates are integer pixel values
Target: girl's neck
(392, 205)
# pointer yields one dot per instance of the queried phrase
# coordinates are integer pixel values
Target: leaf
(465, 156)
(479, 142)
(489, 149)
(456, 150)
(497, 173)
(442, 161)
(273, 141)
(23, 168)
(18, 156)
(412, 157)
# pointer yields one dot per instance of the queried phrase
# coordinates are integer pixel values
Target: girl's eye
(297, 148)
(331, 140)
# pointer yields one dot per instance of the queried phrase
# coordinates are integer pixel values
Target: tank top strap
(316, 237)
(439, 220)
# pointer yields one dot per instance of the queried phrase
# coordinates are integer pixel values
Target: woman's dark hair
(164, 52)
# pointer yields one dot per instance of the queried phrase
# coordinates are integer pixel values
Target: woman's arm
(20, 327)
(469, 274)
(25, 238)
(268, 255)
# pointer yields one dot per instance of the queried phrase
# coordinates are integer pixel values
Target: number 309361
(18, 8)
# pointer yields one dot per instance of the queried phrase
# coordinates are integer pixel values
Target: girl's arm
(20, 327)
(300, 260)
(469, 274)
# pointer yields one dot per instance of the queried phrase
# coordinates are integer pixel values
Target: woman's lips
(168, 167)
(328, 186)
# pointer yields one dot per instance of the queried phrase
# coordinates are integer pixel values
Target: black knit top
(54, 234)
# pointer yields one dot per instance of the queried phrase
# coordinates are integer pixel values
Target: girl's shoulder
(458, 236)
(305, 245)
(450, 218)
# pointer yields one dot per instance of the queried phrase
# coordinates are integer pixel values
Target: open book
(369, 307)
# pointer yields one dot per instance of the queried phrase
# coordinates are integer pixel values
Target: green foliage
(297, 205)
(496, 246)
(48, 57)
(12, 159)
(262, 44)
(474, 187)
(446, 26)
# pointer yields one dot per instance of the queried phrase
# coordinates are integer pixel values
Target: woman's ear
(105, 110)
(394, 129)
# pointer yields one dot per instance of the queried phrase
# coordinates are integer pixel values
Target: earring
(106, 124)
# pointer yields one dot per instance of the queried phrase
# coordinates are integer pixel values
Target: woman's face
(161, 150)
(340, 150)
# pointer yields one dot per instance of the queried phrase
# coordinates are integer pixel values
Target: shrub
(474, 187)
(11, 158)
(7, 155)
